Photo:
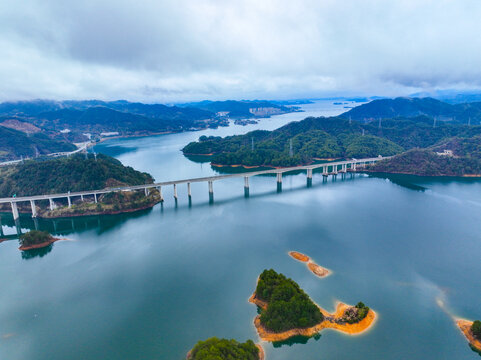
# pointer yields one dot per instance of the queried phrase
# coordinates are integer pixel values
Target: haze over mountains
(411, 107)
(55, 123)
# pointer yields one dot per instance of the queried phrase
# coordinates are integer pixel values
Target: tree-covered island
(223, 349)
(35, 239)
(287, 311)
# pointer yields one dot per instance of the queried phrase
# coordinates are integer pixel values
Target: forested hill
(465, 159)
(302, 142)
(74, 173)
(411, 107)
(294, 144)
(15, 144)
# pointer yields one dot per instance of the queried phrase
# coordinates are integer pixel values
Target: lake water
(150, 285)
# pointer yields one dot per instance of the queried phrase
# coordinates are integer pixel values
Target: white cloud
(182, 50)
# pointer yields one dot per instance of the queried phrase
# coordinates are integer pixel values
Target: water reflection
(475, 350)
(296, 340)
(405, 181)
(30, 254)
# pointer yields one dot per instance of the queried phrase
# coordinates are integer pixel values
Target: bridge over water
(332, 168)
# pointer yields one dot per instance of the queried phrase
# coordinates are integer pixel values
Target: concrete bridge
(332, 168)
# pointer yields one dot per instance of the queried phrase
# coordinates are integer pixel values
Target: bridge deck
(183, 181)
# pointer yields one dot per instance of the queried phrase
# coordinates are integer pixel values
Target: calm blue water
(150, 285)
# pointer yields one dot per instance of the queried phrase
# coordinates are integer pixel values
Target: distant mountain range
(412, 107)
(55, 123)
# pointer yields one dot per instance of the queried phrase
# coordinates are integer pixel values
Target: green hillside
(75, 173)
(15, 144)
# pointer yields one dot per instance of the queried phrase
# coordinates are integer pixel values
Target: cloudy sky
(180, 50)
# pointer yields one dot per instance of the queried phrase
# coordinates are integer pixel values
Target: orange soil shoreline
(299, 256)
(39, 246)
(465, 327)
(351, 329)
(311, 265)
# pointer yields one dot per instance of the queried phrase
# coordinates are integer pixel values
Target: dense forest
(15, 144)
(223, 349)
(294, 144)
(288, 307)
(75, 173)
(303, 142)
(476, 329)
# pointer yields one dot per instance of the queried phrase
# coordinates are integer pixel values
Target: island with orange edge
(35, 239)
(287, 311)
(311, 265)
(472, 331)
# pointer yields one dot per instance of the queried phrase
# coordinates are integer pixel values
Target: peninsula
(223, 349)
(287, 311)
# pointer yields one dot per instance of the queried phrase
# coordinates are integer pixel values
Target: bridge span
(332, 168)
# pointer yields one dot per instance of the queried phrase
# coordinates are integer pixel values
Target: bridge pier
(175, 191)
(160, 193)
(189, 193)
(246, 186)
(82, 198)
(211, 192)
(95, 198)
(34, 209)
(18, 227)
(309, 177)
(69, 201)
(52, 204)
(14, 210)
(1, 228)
(146, 191)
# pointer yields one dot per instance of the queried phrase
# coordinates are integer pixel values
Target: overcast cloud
(181, 50)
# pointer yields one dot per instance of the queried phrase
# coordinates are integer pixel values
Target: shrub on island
(35, 237)
(355, 314)
(289, 307)
(223, 349)
(476, 329)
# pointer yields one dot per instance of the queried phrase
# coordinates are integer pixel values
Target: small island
(472, 332)
(223, 349)
(287, 311)
(311, 265)
(35, 239)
